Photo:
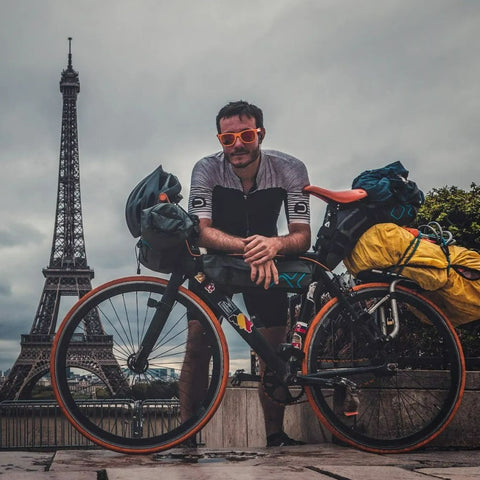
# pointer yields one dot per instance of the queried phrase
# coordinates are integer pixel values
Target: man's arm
(260, 252)
(211, 237)
(259, 249)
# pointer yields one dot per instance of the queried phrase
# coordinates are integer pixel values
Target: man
(237, 194)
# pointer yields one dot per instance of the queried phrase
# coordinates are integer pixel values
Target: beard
(250, 157)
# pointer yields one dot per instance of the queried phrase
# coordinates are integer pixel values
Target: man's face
(240, 154)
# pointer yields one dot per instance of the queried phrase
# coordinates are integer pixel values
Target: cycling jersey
(216, 193)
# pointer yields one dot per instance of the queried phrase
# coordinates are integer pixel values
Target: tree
(455, 210)
(458, 211)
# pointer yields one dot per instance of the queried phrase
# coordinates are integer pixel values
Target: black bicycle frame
(224, 308)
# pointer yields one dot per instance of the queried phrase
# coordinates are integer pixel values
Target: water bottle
(299, 331)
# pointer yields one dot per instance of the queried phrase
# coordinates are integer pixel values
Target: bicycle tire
(138, 412)
(396, 411)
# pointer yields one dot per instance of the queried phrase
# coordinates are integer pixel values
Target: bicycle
(381, 366)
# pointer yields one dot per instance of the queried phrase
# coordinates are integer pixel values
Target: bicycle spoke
(413, 400)
(143, 409)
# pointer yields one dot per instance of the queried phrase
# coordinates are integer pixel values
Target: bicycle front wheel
(106, 396)
(418, 385)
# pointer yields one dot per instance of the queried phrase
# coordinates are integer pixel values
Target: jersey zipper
(247, 219)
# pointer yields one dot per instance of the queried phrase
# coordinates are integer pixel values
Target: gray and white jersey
(217, 194)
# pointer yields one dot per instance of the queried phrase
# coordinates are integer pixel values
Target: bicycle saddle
(339, 196)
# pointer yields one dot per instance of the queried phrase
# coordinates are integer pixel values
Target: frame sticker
(242, 322)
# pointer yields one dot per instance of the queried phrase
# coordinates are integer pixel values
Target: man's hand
(259, 249)
(259, 252)
(264, 273)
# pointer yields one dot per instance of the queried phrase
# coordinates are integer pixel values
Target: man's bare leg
(193, 382)
(273, 412)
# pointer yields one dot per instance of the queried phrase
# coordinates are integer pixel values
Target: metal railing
(37, 424)
(26, 424)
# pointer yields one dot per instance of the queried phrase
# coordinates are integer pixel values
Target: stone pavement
(312, 462)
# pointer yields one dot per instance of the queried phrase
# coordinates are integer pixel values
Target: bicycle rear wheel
(104, 397)
(402, 406)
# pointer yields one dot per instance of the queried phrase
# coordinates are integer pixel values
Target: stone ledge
(239, 421)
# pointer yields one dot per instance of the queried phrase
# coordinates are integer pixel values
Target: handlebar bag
(165, 228)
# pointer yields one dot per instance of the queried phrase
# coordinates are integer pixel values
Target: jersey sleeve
(298, 202)
(200, 200)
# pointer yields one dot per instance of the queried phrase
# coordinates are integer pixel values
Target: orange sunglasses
(246, 136)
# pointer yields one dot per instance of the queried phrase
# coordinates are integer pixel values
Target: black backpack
(391, 199)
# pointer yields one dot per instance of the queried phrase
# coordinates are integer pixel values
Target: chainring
(279, 391)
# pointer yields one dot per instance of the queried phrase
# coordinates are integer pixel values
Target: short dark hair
(240, 108)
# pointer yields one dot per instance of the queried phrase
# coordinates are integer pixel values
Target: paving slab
(307, 461)
(95, 460)
(331, 455)
(439, 458)
(454, 473)
(304, 455)
(19, 461)
(217, 472)
(50, 476)
(373, 472)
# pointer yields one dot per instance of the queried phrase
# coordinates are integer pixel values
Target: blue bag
(391, 199)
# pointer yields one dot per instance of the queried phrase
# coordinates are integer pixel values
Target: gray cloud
(18, 234)
(5, 289)
(345, 87)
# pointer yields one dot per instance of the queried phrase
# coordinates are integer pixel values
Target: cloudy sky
(345, 85)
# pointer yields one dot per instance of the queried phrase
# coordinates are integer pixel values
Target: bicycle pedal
(240, 376)
(351, 404)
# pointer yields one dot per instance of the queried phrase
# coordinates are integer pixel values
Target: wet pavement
(313, 462)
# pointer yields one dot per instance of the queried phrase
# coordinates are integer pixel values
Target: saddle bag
(391, 199)
(450, 276)
(459, 298)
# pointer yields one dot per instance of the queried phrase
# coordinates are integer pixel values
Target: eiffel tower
(67, 274)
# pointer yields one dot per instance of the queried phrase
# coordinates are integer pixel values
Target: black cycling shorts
(267, 308)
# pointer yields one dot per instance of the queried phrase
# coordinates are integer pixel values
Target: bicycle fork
(138, 362)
